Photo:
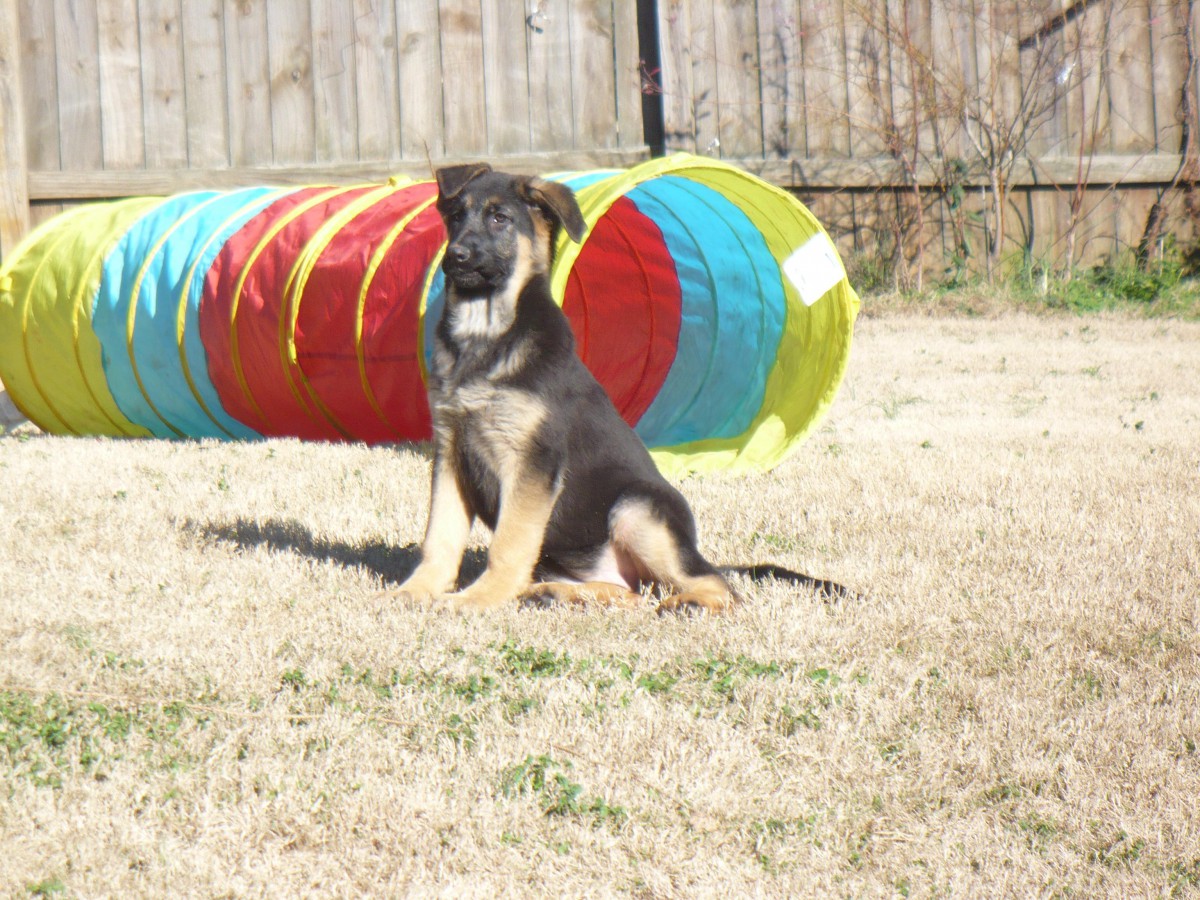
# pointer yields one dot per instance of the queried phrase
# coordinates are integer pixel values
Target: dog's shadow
(392, 564)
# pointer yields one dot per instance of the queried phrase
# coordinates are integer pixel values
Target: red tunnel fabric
(629, 350)
(379, 395)
(243, 287)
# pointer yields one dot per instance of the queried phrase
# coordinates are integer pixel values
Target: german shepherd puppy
(526, 440)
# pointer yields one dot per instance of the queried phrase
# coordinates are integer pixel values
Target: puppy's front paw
(472, 599)
(410, 599)
(413, 592)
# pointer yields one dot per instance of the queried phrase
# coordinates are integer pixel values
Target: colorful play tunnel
(711, 306)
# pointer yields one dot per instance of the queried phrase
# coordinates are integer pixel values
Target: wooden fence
(104, 98)
(920, 131)
(901, 121)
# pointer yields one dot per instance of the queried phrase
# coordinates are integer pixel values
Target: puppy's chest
(482, 318)
(492, 423)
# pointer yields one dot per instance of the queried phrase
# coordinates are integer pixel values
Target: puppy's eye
(499, 217)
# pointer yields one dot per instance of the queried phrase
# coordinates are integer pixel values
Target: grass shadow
(392, 564)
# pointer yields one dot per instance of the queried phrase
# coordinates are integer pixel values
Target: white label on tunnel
(815, 268)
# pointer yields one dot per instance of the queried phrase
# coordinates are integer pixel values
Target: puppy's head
(500, 226)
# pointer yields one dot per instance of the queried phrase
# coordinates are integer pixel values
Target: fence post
(14, 169)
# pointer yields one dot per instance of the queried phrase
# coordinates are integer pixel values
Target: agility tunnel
(710, 305)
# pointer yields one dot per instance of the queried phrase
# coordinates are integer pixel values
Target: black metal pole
(651, 60)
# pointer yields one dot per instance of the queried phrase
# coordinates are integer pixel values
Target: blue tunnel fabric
(223, 219)
(726, 349)
(136, 313)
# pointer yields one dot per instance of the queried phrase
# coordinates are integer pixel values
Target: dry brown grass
(200, 693)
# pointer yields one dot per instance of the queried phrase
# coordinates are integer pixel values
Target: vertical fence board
(39, 87)
(947, 37)
(248, 83)
(289, 54)
(593, 82)
(1040, 67)
(739, 92)
(861, 109)
(505, 78)
(932, 116)
(690, 73)
(916, 64)
(1167, 73)
(781, 70)
(207, 113)
(825, 114)
(898, 90)
(121, 123)
(335, 97)
(39, 82)
(1006, 26)
(78, 78)
(1087, 132)
(866, 76)
(981, 73)
(420, 80)
(679, 90)
(1056, 61)
(707, 110)
(163, 98)
(14, 196)
(376, 68)
(1097, 37)
(548, 50)
(462, 78)
(1192, 25)
(120, 84)
(1096, 234)
(1132, 85)
(627, 71)
(1135, 210)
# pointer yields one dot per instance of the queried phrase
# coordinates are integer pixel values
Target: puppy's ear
(452, 179)
(558, 201)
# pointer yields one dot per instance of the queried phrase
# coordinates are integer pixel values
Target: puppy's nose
(458, 253)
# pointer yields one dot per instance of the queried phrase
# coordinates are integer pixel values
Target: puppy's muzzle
(466, 269)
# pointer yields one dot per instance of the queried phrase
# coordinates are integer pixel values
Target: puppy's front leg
(525, 509)
(446, 535)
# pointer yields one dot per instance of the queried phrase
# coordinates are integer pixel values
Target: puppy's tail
(824, 588)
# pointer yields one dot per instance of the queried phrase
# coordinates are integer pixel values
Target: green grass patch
(1167, 288)
(49, 887)
(45, 738)
(547, 780)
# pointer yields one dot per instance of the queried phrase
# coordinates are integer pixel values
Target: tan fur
(588, 592)
(708, 592)
(490, 317)
(446, 535)
(637, 532)
(525, 509)
(510, 417)
(540, 252)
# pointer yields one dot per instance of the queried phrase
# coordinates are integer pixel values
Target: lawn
(203, 693)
